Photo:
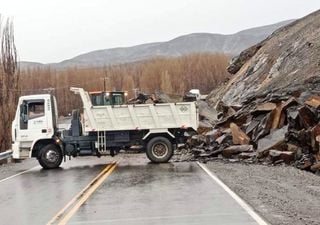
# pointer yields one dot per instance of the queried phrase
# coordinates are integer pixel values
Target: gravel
(280, 194)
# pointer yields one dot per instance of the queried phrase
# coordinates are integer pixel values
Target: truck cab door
(33, 122)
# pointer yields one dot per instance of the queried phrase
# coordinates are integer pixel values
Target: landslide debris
(269, 111)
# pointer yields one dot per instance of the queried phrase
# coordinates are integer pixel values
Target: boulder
(236, 149)
(275, 140)
(238, 136)
(212, 135)
(286, 156)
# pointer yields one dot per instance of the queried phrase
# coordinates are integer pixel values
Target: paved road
(136, 192)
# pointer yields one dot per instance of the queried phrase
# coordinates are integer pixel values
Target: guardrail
(5, 155)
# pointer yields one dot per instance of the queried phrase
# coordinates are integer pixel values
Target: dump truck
(103, 127)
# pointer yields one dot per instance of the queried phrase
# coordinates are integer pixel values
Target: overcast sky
(54, 30)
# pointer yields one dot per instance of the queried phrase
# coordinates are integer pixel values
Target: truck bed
(137, 117)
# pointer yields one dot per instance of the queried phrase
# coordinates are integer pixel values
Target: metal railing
(5, 155)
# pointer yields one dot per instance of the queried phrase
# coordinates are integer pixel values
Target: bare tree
(9, 79)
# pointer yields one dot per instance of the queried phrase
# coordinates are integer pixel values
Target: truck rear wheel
(50, 157)
(159, 150)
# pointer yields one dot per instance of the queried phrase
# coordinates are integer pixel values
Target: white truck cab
(35, 120)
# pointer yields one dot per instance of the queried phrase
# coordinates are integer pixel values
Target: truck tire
(159, 150)
(50, 156)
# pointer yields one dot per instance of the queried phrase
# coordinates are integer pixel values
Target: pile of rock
(143, 98)
(269, 110)
(282, 130)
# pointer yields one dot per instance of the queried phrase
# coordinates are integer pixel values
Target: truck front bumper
(19, 153)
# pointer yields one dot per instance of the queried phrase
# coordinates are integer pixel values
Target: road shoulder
(281, 194)
(10, 169)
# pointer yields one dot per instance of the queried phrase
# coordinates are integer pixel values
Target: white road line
(239, 200)
(18, 174)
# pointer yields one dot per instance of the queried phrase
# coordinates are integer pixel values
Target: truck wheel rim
(52, 156)
(160, 150)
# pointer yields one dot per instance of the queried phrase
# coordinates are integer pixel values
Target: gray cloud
(51, 31)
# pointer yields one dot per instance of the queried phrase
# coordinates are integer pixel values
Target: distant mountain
(192, 43)
(31, 65)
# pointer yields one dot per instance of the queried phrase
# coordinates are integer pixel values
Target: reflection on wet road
(135, 193)
(36, 196)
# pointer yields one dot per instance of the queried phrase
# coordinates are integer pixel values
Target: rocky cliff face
(286, 63)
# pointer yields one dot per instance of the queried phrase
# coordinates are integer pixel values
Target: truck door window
(35, 110)
(24, 115)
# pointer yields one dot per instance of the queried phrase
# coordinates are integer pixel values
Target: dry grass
(169, 75)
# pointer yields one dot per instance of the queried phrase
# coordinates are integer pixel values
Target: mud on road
(282, 194)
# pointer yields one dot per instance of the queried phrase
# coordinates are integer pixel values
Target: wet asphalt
(36, 196)
(137, 192)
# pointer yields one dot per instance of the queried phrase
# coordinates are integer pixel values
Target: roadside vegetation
(173, 76)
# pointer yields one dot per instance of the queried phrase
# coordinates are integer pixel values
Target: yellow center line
(65, 214)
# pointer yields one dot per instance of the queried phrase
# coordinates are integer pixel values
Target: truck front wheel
(50, 157)
(159, 150)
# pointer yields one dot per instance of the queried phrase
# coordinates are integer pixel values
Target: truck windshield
(117, 98)
(110, 98)
(100, 99)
